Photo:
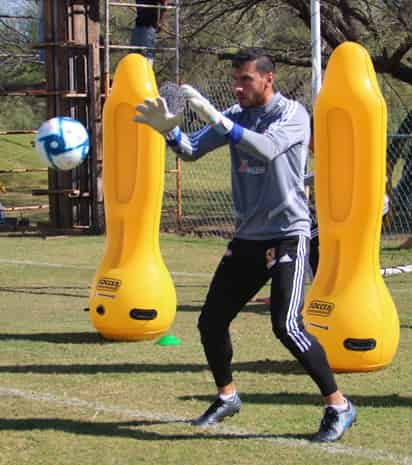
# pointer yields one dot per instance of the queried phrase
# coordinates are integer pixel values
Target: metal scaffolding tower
(76, 87)
(108, 46)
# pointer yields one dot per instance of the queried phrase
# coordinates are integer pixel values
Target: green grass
(68, 397)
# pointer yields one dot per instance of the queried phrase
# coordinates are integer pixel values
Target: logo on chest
(245, 167)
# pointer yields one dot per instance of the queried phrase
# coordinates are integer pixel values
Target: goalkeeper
(268, 136)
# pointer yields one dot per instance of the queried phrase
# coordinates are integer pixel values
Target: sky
(14, 6)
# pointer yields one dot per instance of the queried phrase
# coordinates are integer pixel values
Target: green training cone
(168, 340)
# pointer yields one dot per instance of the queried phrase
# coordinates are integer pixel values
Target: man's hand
(201, 106)
(206, 111)
(155, 114)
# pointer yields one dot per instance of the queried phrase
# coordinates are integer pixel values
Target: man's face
(251, 87)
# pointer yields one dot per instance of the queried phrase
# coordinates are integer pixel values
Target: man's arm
(196, 145)
(155, 113)
(279, 136)
(161, 15)
(282, 134)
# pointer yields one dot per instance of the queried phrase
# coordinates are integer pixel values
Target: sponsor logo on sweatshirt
(245, 168)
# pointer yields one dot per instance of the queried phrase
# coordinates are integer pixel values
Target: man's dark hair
(264, 63)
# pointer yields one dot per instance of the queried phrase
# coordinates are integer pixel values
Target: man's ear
(270, 79)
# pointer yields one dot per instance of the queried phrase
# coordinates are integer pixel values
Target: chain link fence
(399, 178)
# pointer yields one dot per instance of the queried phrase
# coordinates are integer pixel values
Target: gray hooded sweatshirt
(268, 149)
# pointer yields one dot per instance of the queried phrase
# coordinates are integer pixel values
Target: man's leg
(239, 276)
(143, 36)
(314, 252)
(287, 291)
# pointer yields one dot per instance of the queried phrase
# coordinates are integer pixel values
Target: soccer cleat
(218, 411)
(335, 423)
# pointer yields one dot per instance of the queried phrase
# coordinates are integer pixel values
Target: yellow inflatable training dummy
(133, 296)
(348, 308)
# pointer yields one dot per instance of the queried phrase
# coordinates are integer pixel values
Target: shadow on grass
(62, 291)
(127, 430)
(296, 398)
(285, 367)
(259, 308)
(58, 338)
(46, 290)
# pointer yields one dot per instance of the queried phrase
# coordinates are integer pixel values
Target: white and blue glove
(154, 113)
(206, 111)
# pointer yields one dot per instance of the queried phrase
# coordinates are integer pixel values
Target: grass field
(68, 397)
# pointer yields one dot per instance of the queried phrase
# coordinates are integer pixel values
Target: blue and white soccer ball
(62, 143)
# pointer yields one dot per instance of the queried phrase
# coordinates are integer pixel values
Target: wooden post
(72, 30)
(61, 58)
(79, 73)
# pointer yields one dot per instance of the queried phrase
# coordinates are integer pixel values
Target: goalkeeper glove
(155, 114)
(206, 111)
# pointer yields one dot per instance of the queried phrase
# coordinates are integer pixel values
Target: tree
(382, 26)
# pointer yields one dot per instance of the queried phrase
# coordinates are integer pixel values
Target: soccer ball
(62, 143)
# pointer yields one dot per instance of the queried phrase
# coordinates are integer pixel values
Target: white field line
(396, 270)
(96, 408)
(389, 271)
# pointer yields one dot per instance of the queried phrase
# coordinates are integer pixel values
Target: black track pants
(243, 270)
(314, 255)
